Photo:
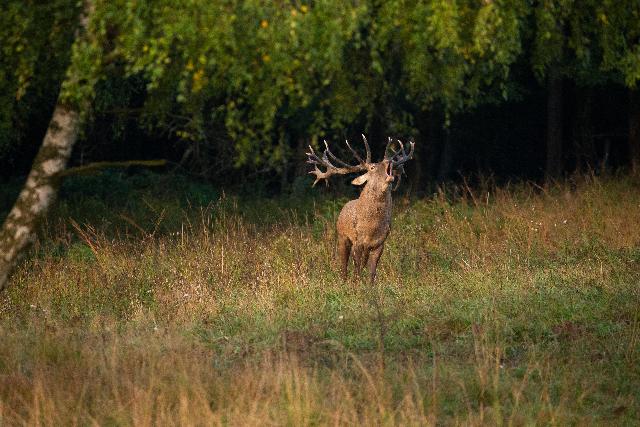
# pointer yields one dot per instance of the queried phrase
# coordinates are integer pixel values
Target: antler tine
(337, 160)
(386, 148)
(355, 153)
(402, 157)
(395, 153)
(413, 146)
(315, 161)
(390, 147)
(366, 146)
(313, 157)
(331, 169)
(401, 147)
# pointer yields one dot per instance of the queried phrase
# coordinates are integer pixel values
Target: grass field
(158, 301)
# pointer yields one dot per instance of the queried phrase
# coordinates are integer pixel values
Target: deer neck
(371, 196)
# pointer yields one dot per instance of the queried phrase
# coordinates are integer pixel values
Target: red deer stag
(363, 224)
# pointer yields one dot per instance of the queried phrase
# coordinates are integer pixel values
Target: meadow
(154, 300)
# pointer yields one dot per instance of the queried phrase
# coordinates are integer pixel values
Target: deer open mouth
(389, 171)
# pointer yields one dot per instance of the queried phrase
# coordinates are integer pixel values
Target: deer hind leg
(344, 250)
(358, 258)
(372, 262)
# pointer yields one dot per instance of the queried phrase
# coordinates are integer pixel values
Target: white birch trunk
(41, 188)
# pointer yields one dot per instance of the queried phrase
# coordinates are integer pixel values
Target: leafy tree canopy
(273, 72)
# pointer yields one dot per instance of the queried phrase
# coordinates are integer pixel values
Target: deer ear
(361, 179)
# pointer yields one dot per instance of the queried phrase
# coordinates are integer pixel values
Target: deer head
(377, 176)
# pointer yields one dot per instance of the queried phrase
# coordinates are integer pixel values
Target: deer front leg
(374, 257)
(344, 250)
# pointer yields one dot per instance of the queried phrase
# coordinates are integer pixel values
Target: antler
(389, 147)
(324, 161)
(355, 153)
(401, 157)
(398, 158)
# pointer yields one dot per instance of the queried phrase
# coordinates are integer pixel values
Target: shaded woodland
(233, 92)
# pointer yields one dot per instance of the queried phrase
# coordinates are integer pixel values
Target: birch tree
(41, 187)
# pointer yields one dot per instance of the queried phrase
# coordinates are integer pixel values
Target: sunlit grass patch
(515, 307)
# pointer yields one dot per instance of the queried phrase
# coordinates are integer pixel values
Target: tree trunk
(634, 130)
(446, 158)
(424, 143)
(415, 185)
(554, 125)
(41, 188)
(583, 130)
(433, 152)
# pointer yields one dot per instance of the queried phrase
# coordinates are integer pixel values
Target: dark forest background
(233, 92)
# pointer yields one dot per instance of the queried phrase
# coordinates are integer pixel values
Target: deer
(364, 223)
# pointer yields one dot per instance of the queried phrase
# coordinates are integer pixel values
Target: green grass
(156, 300)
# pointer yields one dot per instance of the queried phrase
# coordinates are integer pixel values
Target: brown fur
(364, 224)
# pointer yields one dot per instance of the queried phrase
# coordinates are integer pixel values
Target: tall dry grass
(508, 306)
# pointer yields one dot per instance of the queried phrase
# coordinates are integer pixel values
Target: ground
(155, 300)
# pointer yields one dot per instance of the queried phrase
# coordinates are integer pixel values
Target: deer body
(364, 224)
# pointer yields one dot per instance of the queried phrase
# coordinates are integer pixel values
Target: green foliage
(455, 54)
(34, 50)
(593, 41)
(619, 38)
(252, 65)
(275, 74)
(87, 56)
